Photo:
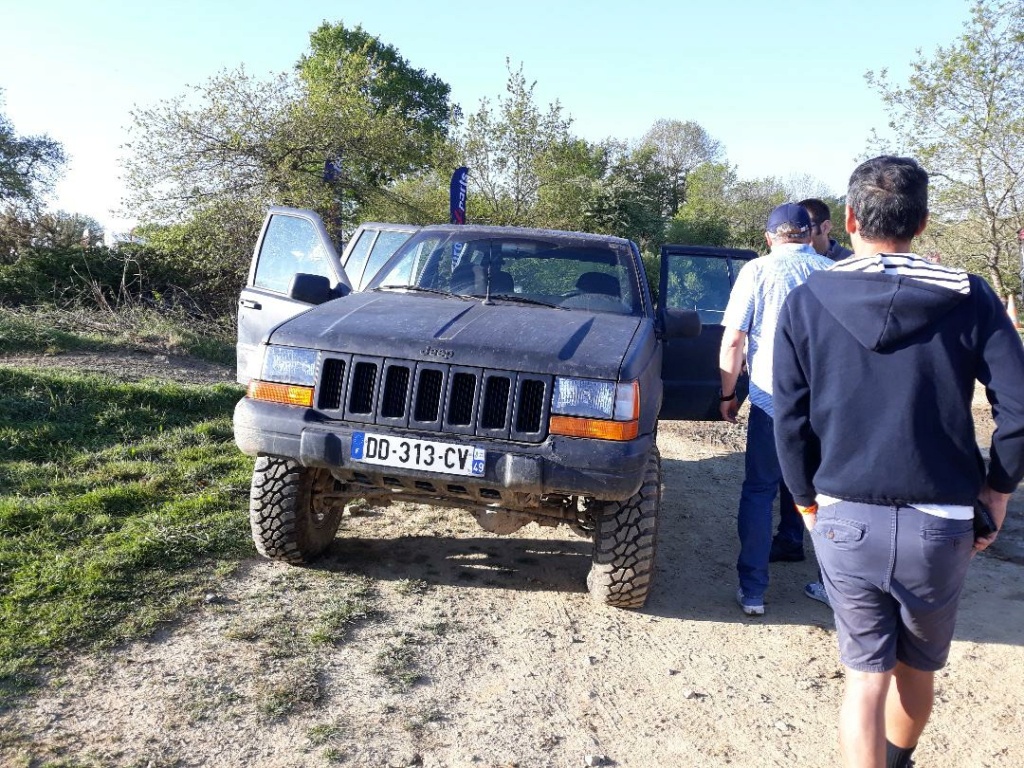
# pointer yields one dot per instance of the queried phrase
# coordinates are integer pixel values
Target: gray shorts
(894, 576)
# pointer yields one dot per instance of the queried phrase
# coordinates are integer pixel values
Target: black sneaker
(781, 553)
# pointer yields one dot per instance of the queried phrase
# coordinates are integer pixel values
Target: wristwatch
(723, 399)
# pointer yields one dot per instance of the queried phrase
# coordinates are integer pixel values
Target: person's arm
(736, 323)
(1002, 373)
(797, 444)
(730, 364)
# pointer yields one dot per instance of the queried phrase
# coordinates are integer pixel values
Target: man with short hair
(750, 317)
(874, 372)
(821, 229)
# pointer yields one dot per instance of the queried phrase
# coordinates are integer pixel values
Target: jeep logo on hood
(444, 354)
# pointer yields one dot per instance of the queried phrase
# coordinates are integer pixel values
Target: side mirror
(680, 323)
(314, 289)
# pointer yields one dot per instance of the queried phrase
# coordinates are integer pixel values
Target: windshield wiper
(419, 289)
(525, 300)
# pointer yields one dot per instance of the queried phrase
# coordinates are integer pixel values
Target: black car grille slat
(396, 391)
(364, 380)
(496, 394)
(531, 406)
(436, 397)
(428, 396)
(460, 401)
(331, 384)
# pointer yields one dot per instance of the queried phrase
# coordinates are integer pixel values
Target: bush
(68, 276)
(113, 278)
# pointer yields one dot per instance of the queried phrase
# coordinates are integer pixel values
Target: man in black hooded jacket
(876, 360)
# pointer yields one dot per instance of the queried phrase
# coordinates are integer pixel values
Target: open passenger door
(292, 242)
(697, 278)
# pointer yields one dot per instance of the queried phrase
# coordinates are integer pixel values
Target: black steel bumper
(602, 469)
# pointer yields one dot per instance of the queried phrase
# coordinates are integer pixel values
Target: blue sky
(780, 84)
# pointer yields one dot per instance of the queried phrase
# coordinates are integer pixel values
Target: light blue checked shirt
(755, 303)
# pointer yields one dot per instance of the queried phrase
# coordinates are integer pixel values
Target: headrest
(502, 282)
(598, 282)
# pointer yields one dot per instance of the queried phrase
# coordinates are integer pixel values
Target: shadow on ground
(695, 574)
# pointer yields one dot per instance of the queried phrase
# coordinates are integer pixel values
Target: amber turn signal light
(596, 428)
(286, 394)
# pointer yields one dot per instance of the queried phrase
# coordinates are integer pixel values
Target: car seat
(468, 279)
(502, 282)
(599, 282)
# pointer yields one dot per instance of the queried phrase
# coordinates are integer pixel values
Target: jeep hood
(503, 335)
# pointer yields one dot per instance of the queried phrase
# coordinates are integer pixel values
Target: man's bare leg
(908, 705)
(862, 719)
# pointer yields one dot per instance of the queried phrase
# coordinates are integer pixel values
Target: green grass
(292, 689)
(48, 330)
(396, 663)
(117, 502)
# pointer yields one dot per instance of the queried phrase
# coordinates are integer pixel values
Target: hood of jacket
(881, 310)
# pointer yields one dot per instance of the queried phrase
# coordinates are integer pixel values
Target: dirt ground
(506, 660)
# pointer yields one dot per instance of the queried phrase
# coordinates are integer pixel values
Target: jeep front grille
(364, 385)
(331, 384)
(461, 400)
(531, 404)
(428, 399)
(435, 397)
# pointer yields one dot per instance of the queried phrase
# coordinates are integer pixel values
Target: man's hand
(809, 515)
(729, 409)
(996, 503)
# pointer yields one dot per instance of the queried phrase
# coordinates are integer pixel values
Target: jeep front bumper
(569, 466)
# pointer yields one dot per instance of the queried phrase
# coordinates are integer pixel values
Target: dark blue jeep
(518, 373)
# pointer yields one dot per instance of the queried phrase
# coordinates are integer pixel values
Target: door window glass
(357, 256)
(698, 283)
(290, 245)
(387, 243)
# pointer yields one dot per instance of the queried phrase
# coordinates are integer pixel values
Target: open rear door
(291, 241)
(700, 278)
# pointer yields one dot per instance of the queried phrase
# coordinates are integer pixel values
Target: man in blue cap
(749, 321)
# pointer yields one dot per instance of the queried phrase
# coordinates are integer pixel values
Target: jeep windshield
(543, 269)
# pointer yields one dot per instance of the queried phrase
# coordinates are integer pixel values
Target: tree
(570, 179)
(704, 219)
(679, 147)
(238, 144)
(961, 114)
(383, 119)
(723, 209)
(28, 227)
(628, 200)
(390, 85)
(242, 140)
(752, 201)
(508, 150)
(60, 229)
(29, 165)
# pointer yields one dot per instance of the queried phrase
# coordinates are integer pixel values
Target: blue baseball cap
(791, 214)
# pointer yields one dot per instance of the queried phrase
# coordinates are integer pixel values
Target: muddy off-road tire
(290, 519)
(624, 542)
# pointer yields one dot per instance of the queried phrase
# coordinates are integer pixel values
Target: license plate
(427, 455)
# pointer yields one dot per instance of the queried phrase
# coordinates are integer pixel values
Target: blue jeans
(791, 529)
(754, 521)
